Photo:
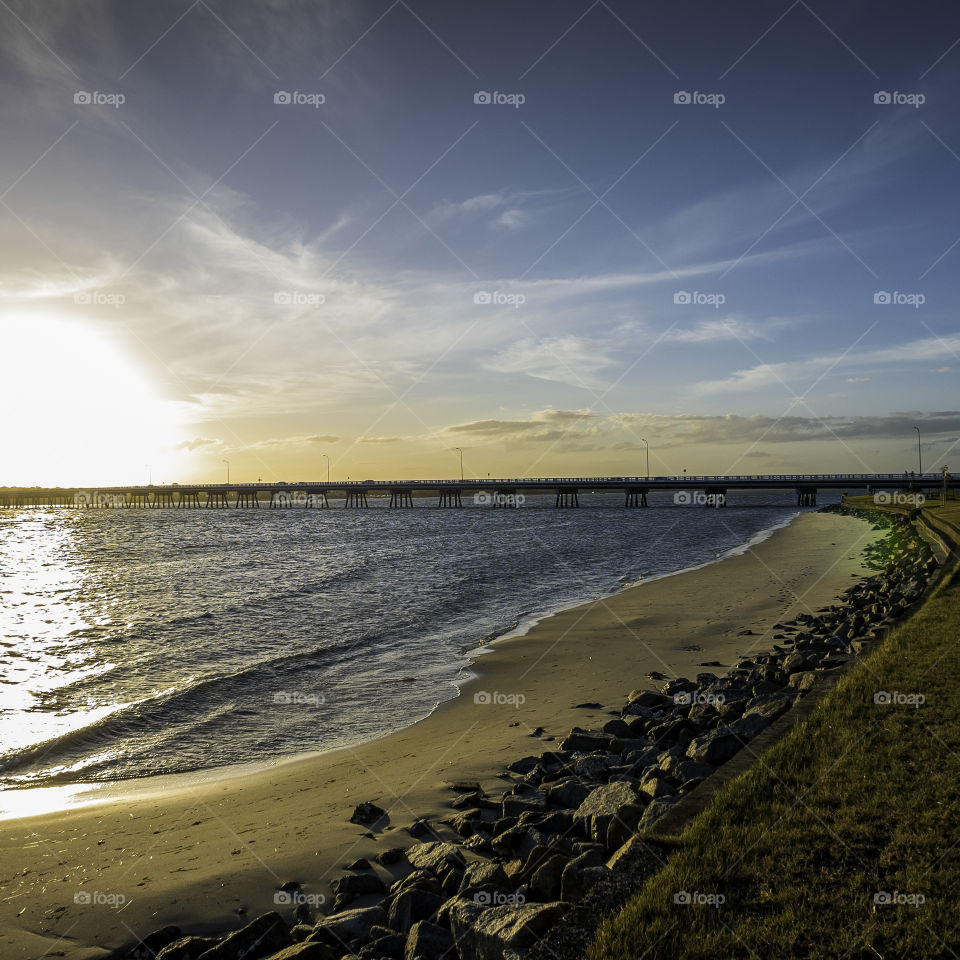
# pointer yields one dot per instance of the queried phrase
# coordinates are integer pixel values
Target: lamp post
(648, 456)
(227, 462)
(919, 454)
(328, 465)
(461, 462)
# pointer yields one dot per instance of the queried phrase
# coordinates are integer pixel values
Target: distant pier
(568, 492)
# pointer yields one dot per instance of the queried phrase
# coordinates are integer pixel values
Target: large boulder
(259, 938)
(580, 874)
(411, 907)
(435, 855)
(357, 884)
(427, 941)
(152, 944)
(369, 814)
(341, 928)
(187, 948)
(490, 933)
(305, 951)
(612, 800)
(715, 746)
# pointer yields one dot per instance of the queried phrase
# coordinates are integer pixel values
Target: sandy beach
(197, 854)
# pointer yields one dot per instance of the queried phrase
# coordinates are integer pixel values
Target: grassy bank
(858, 805)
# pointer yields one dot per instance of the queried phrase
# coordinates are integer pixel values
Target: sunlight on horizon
(77, 410)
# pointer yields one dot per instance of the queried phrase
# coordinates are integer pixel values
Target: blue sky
(294, 278)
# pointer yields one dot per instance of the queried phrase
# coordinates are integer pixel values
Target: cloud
(297, 441)
(727, 328)
(569, 359)
(197, 444)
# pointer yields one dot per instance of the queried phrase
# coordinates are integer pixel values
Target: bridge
(689, 490)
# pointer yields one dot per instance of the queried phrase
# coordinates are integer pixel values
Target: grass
(858, 799)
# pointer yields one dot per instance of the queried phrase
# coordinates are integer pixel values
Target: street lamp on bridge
(227, 462)
(648, 456)
(461, 462)
(919, 454)
(328, 465)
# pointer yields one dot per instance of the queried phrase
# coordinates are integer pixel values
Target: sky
(553, 235)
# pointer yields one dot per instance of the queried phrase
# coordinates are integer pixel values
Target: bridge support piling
(247, 498)
(217, 500)
(401, 498)
(450, 498)
(567, 497)
(806, 496)
(636, 497)
(356, 499)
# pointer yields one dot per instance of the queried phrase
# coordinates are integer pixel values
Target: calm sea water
(135, 643)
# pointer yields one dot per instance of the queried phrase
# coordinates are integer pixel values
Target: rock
(361, 864)
(305, 951)
(525, 765)
(433, 855)
(595, 766)
(585, 742)
(604, 803)
(390, 857)
(769, 707)
(411, 907)
(692, 770)
(419, 879)
(715, 747)
(369, 814)
(803, 682)
(515, 806)
(427, 941)
(546, 881)
(421, 828)
(384, 945)
(152, 944)
(588, 706)
(493, 933)
(341, 928)
(580, 874)
(747, 728)
(655, 785)
(656, 811)
(358, 885)
(188, 948)
(259, 938)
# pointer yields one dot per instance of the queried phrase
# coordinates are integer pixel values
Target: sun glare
(76, 411)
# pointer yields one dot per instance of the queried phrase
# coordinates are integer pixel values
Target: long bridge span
(567, 491)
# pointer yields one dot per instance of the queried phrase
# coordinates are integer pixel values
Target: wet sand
(195, 853)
